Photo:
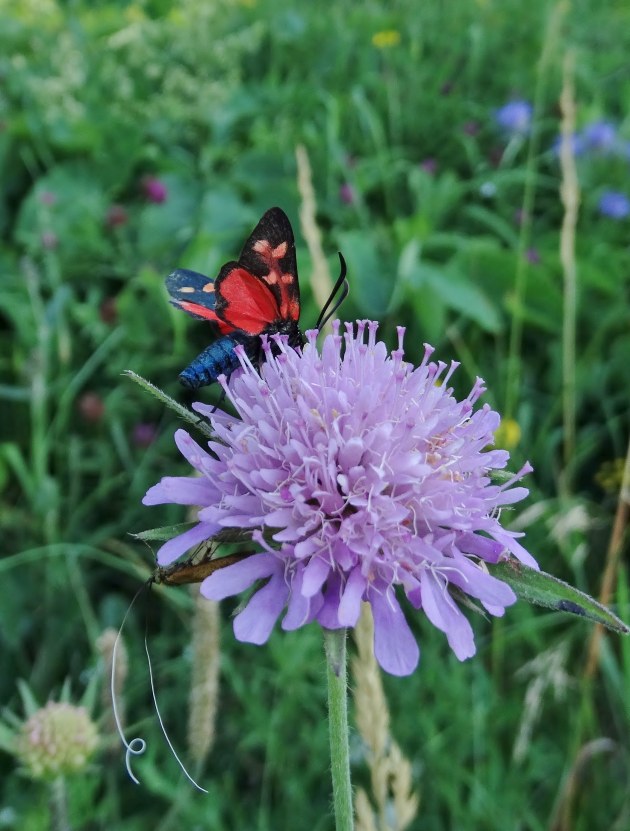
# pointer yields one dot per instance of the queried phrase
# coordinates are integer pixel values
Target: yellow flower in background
(508, 434)
(386, 38)
(610, 475)
(135, 13)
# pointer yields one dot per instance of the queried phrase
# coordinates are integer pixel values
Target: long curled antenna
(341, 284)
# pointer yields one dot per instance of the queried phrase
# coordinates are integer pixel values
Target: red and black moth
(257, 295)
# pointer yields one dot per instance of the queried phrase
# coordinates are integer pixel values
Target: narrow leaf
(166, 532)
(544, 590)
(182, 412)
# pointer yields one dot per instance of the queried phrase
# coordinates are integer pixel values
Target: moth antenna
(342, 284)
(137, 745)
(157, 712)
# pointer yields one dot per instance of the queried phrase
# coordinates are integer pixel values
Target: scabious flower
(357, 474)
(56, 740)
(614, 204)
(515, 117)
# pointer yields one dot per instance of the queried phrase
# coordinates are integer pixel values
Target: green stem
(335, 644)
(59, 805)
(514, 362)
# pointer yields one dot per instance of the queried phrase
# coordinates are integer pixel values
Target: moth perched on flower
(358, 476)
(259, 294)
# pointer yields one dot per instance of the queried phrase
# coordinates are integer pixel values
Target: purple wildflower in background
(614, 204)
(515, 117)
(532, 255)
(365, 474)
(154, 189)
(347, 194)
(144, 434)
(600, 136)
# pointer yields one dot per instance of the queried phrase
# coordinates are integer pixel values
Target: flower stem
(335, 644)
(59, 805)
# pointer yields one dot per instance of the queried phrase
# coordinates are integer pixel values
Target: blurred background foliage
(135, 137)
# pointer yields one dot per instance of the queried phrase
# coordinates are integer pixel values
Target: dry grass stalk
(615, 548)
(105, 646)
(547, 671)
(363, 813)
(570, 195)
(390, 772)
(321, 281)
(204, 684)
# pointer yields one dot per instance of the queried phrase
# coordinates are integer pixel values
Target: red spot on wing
(285, 281)
(249, 304)
(207, 314)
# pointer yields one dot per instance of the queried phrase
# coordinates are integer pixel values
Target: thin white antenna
(157, 710)
(137, 746)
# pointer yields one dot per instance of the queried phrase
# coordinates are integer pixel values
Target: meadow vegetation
(136, 137)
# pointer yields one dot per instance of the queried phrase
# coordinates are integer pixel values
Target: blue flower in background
(577, 144)
(515, 117)
(600, 136)
(614, 204)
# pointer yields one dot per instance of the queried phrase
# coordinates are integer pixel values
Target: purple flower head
(600, 136)
(614, 204)
(429, 165)
(360, 477)
(144, 434)
(532, 255)
(515, 117)
(154, 189)
(347, 194)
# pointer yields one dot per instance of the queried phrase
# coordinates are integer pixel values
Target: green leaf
(544, 590)
(166, 532)
(372, 272)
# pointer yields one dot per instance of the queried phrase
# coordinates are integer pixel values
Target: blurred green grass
(424, 194)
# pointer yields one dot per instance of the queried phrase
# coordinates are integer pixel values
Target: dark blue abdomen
(217, 359)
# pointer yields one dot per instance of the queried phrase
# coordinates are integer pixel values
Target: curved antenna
(157, 710)
(342, 284)
(136, 746)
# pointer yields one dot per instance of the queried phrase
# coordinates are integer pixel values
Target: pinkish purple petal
(255, 622)
(180, 490)
(350, 605)
(395, 647)
(444, 613)
(233, 579)
(174, 548)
